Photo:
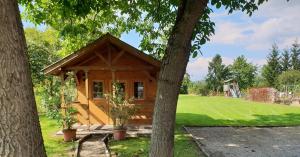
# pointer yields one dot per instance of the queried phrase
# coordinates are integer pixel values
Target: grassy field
(213, 111)
(54, 145)
(222, 111)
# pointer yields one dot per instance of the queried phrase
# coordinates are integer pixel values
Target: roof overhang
(57, 67)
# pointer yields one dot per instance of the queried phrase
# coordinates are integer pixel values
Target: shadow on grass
(190, 119)
(131, 147)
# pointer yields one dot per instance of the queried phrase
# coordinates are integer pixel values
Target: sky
(276, 21)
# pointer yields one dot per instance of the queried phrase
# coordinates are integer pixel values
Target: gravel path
(248, 141)
(93, 147)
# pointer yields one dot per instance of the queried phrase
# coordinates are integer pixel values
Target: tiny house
(100, 63)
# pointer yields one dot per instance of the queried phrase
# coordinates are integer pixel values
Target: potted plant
(67, 120)
(121, 110)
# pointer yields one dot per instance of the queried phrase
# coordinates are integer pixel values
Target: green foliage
(243, 72)
(295, 55)
(272, 69)
(198, 88)
(217, 73)
(185, 84)
(285, 61)
(70, 88)
(42, 51)
(259, 81)
(67, 117)
(50, 96)
(121, 110)
(290, 77)
(80, 21)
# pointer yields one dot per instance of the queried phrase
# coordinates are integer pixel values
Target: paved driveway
(248, 141)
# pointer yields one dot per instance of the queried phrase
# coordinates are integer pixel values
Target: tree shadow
(191, 119)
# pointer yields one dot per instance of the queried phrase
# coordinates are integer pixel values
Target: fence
(262, 94)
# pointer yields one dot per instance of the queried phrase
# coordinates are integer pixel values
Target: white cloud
(198, 68)
(275, 21)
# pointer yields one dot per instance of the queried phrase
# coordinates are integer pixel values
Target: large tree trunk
(171, 74)
(20, 133)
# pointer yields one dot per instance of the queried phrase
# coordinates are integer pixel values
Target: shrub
(121, 109)
(290, 77)
(199, 88)
(67, 119)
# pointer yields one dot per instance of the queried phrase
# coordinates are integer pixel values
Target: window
(120, 89)
(98, 89)
(138, 90)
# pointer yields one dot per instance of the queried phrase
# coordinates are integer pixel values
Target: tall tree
(285, 61)
(217, 73)
(19, 124)
(185, 84)
(42, 47)
(243, 72)
(272, 69)
(295, 55)
(174, 28)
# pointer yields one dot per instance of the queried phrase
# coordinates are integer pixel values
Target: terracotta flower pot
(119, 134)
(69, 135)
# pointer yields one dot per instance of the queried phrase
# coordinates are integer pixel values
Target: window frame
(144, 90)
(103, 89)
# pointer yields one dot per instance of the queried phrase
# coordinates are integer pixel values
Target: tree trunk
(171, 74)
(20, 133)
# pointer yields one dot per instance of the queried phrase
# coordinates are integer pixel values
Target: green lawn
(222, 111)
(54, 145)
(213, 111)
(139, 147)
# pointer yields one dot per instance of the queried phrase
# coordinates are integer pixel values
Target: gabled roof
(56, 67)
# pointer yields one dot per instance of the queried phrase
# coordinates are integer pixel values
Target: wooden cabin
(100, 63)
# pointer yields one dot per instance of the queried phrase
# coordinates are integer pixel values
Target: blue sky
(276, 21)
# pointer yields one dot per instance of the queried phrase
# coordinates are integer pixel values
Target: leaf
(213, 2)
(195, 54)
(219, 4)
(202, 41)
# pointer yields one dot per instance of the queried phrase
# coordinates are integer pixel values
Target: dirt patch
(248, 141)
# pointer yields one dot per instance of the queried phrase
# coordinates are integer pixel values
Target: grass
(139, 147)
(55, 147)
(222, 111)
(213, 111)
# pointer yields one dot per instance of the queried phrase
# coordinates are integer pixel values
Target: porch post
(77, 83)
(62, 94)
(87, 95)
(113, 78)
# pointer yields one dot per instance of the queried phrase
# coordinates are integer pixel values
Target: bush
(50, 94)
(121, 110)
(198, 88)
(68, 119)
(290, 77)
